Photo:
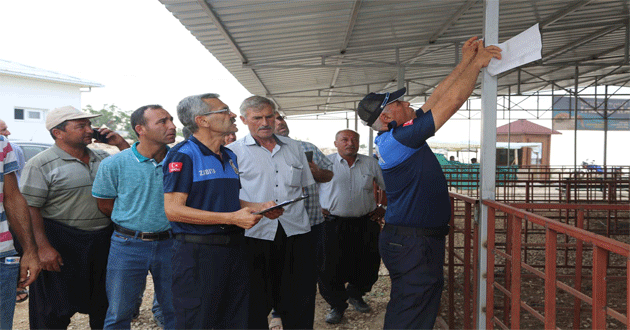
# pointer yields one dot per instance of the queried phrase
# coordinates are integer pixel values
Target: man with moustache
(128, 188)
(412, 242)
(321, 169)
(211, 279)
(350, 231)
(274, 167)
(72, 234)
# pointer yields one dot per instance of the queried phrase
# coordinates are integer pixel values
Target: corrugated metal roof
(21, 70)
(316, 56)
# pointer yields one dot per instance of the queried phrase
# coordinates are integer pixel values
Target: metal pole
(605, 124)
(575, 121)
(487, 166)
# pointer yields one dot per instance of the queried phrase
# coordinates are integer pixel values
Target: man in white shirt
(282, 251)
(350, 246)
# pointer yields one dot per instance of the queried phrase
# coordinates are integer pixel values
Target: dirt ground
(377, 298)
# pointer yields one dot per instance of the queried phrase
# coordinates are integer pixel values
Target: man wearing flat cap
(412, 243)
(72, 235)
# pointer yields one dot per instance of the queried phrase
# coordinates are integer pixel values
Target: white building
(28, 93)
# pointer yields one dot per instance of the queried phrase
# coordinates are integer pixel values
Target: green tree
(113, 118)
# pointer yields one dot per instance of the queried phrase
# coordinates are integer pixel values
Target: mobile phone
(98, 136)
(309, 156)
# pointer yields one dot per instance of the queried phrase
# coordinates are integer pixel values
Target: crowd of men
(200, 216)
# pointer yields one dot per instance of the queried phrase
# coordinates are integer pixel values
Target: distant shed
(524, 131)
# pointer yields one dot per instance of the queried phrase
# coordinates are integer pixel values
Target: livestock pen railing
(548, 184)
(538, 266)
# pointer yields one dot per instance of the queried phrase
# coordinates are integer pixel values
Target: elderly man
(412, 242)
(321, 169)
(201, 199)
(350, 234)
(14, 212)
(128, 188)
(72, 234)
(275, 167)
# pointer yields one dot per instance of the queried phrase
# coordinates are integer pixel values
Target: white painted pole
(487, 164)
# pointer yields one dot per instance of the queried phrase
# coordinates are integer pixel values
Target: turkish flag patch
(410, 122)
(174, 167)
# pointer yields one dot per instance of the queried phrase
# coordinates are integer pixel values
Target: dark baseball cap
(373, 104)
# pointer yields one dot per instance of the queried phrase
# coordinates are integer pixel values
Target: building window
(19, 114)
(31, 115)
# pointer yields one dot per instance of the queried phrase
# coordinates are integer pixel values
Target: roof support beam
(582, 41)
(346, 40)
(228, 38)
(564, 12)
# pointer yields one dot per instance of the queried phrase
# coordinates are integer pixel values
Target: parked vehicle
(31, 148)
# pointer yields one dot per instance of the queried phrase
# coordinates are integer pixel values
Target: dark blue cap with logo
(373, 104)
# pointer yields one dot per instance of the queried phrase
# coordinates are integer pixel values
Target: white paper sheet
(524, 48)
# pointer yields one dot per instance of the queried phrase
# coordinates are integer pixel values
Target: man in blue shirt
(412, 241)
(128, 188)
(201, 199)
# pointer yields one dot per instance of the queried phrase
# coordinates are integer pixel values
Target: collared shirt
(417, 194)
(278, 175)
(211, 182)
(8, 164)
(351, 191)
(135, 183)
(60, 185)
(312, 204)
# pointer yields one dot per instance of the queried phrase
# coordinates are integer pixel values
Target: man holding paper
(412, 242)
(211, 280)
(282, 251)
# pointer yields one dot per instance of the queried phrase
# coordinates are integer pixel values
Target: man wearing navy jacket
(412, 243)
(201, 199)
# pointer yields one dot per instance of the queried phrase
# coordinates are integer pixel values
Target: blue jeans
(130, 259)
(8, 285)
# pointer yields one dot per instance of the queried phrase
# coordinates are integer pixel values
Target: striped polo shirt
(8, 164)
(60, 185)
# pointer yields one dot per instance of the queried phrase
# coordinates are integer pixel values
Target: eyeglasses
(216, 111)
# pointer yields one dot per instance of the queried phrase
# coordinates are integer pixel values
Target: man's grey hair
(257, 102)
(191, 107)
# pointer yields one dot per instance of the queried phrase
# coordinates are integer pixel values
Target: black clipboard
(285, 203)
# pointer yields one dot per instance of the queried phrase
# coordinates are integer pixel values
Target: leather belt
(145, 236)
(212, 239)
(417, 232)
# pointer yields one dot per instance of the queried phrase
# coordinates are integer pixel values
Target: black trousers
(211, 284)
(283, 277)
(55, 297)
(349, 255)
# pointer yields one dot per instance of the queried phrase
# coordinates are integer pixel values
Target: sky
(143, 55)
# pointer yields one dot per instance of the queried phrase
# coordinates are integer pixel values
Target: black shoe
(334, 316)
(359, 304)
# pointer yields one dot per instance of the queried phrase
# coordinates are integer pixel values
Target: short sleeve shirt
(417, 193)
(351, 191)
(211, 182)
(135, 183)
(60, 185)
(8, 164)
(312, 204)
(278, 175)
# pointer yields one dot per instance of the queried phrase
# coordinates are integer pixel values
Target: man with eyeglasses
(211, 282)
(412, 243)
(72, 234)
(282, 251)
